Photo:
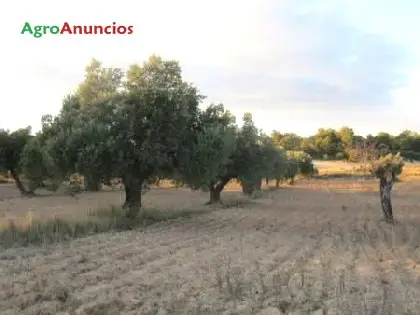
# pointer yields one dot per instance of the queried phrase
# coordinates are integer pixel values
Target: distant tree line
(344, 144)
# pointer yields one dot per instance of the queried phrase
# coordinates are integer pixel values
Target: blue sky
(295, 65)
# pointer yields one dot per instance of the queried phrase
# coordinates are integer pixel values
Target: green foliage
(291, 170)
(100, 84)
(256, 156)
(146, 124)
(34, 164)
(389, 166)
(246, 155)
(330, 144)
(209, 155)
(156, 73)
(11, 147)
(279, 165)
(53, 153)
(346, 136)
(303, 161)
(221, 152)
(411, 155)
(287, 141)
(136, 133)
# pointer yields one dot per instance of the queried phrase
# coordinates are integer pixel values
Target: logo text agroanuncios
(38, 31)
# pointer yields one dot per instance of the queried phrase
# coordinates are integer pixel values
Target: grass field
(318, 247)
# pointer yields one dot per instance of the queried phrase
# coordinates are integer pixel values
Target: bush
(340, 156)
(388, 165)
(411, 155)
(304, 162)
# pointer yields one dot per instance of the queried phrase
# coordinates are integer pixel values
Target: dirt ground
(316, 248)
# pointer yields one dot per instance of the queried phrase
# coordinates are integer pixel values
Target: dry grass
(345, 169)
(316, 248)
(4, 179)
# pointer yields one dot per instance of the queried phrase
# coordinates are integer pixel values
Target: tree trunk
(107, 181)
(214, 196)
(215, 191)
(385, 188)
(132, 203)
(266, 181)
(277, 183)
(18, 182)
(247, 188)
(292, 181)
(92, 184)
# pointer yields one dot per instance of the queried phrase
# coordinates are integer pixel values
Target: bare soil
(317, 248)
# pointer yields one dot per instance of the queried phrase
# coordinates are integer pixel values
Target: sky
(296, 65)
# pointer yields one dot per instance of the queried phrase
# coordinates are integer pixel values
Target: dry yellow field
(319, 247)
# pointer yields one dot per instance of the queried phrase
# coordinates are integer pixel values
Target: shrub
(340, 156)
(304, 162)
(388, 166)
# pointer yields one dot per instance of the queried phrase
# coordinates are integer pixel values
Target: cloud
(313, 58)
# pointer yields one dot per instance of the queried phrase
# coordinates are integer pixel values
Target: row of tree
(345, 144)
(142, 125)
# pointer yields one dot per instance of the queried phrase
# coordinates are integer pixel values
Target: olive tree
(221, 152)
(146, 134)
(387, 169)
(254, 155)
(36, 163)
(298, 162)
(291, 170)
(52, 154)
(265, 158)
(12, 145)
(209, 165)
(279, 167)
(99, 86)
(136, 134)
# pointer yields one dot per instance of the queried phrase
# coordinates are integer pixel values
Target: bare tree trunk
(92, 183)
(107, 181)
(385, 187)
(214, 196)
(277, 183)
(18, 182)
(258, 184)
(266, 181)
(292, 181)
(133, 192)
(215, 191)
(247, 188)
